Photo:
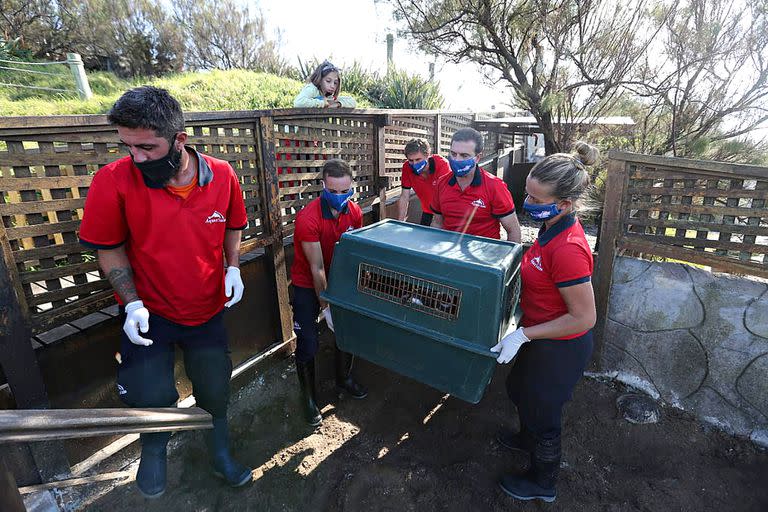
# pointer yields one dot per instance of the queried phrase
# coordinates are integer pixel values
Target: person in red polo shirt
(471, 200)
(319, 225)
(163, 220)
(420, 173)
(554, 344)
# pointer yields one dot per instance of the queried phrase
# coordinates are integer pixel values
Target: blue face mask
(337, 201)
(541, 211)
(417, 168)
(462, 167)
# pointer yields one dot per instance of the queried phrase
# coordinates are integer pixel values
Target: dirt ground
(409, 448)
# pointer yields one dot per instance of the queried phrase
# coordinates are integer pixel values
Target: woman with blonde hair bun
(554, 344)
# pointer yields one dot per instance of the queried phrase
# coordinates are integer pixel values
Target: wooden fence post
(380, 122)
(270, 205)
(438, 133)
(10, 499)
(615, 189)
(19, 363)
(81, 79)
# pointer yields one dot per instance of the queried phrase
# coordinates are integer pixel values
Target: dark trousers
(145, 377)
(306, 307)
(426, 218)
(542, 381)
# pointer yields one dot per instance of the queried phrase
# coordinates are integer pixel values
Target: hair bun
(585, 153)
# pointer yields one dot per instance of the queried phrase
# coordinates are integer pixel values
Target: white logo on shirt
(479, 203)
(215, 217)
(536, 262)
(434, 182)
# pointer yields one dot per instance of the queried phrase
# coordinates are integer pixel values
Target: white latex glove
(509, 345)
(327, 315)
(233, 286)
(137, 318)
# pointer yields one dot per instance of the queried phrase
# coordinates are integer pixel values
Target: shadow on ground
(409, 448)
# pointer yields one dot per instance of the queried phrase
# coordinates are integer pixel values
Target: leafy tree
(224, 34)
(565, 60)
(707, 83)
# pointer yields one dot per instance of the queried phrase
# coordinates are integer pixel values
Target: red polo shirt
(560, 257)
(424, 184)
(315, 223)
(480, 205)
(174, 245)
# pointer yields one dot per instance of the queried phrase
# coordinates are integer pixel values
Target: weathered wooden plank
(10, 498)
(329, 125)
(274, 227)
(701, 226)
(722, 243)
(51, 318)
(27, 207)
(69, 158)
(317, 188)
(36, 425)
(58, 272)
(320, 139)
(698, 192)
(69, 291)
(18, 184)
(722, 263)
(48, 252)
(698, 209)
(16, 233)
(71, 482)
(298, 150)
(615, 187)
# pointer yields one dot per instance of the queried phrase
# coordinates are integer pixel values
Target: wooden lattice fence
(47, 164)
(702, 212)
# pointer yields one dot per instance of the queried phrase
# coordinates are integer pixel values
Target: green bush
(403, 90)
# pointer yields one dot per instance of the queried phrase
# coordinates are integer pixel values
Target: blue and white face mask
(418, 167)
(541, 211)
(462, 167)
(337, 201)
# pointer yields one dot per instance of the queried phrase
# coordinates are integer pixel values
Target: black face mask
(157, 173)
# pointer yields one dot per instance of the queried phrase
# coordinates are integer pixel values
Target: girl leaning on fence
(323, 89)
(554, 343)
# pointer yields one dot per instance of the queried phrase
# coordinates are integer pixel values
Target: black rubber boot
(538, 483)
(153, 468)
(224, 466)
(344, 379)
(306, 373)
(521, 441)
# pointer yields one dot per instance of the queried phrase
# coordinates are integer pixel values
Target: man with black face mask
(163, 220)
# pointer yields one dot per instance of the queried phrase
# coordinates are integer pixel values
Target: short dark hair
(336, 168)
(148, 107)
(463, 134)
(417, 146)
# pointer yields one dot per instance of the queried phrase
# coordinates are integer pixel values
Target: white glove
(509, 345)
(137, 317)
(233, 286)
(327, 315)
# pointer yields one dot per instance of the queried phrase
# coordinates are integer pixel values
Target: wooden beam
(10, 498)
(615, 187)
(23, 425)
(380, 163)
(273, 225)
(71, 482)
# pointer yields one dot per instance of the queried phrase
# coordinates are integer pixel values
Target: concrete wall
(695, 339)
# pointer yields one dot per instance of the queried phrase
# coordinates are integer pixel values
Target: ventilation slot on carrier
(412, 292)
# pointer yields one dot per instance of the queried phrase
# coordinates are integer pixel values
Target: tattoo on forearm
(121, 280)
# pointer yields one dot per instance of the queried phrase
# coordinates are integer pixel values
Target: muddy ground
(409, 448)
